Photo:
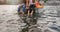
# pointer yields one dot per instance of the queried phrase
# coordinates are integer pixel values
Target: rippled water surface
(11, 22)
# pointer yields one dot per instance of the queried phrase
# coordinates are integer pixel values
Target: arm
(19, 7)
(41, 5)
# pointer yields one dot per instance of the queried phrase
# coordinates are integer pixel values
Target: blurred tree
(45, 1)
(2, 2)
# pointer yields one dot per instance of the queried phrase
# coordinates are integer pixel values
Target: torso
(30, 1)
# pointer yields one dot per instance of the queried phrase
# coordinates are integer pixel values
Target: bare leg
(32, 13)
(28, 13)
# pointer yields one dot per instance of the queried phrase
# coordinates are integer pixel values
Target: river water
(11, 22)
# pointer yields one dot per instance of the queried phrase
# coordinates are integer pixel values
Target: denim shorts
(24, 8)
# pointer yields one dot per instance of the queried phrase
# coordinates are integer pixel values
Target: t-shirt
(38, 5)
(30, 2)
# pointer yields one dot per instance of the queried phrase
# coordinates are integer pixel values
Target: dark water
(10, 21)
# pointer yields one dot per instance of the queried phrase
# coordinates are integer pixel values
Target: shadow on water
(28, 20)
(55, 27)
(20, 17)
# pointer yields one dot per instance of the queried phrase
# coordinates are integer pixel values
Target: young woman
(31, 8)
(27, 7)
(23, 6)
(38, 5)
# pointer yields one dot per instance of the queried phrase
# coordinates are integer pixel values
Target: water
(10, 21)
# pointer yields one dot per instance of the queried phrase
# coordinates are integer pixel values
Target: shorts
(26, 12)
(32, 8)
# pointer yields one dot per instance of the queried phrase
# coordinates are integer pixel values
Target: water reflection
(29, 20)
(55, 27)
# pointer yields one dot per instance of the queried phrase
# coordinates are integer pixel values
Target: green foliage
(45, 1)
(25, 29)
